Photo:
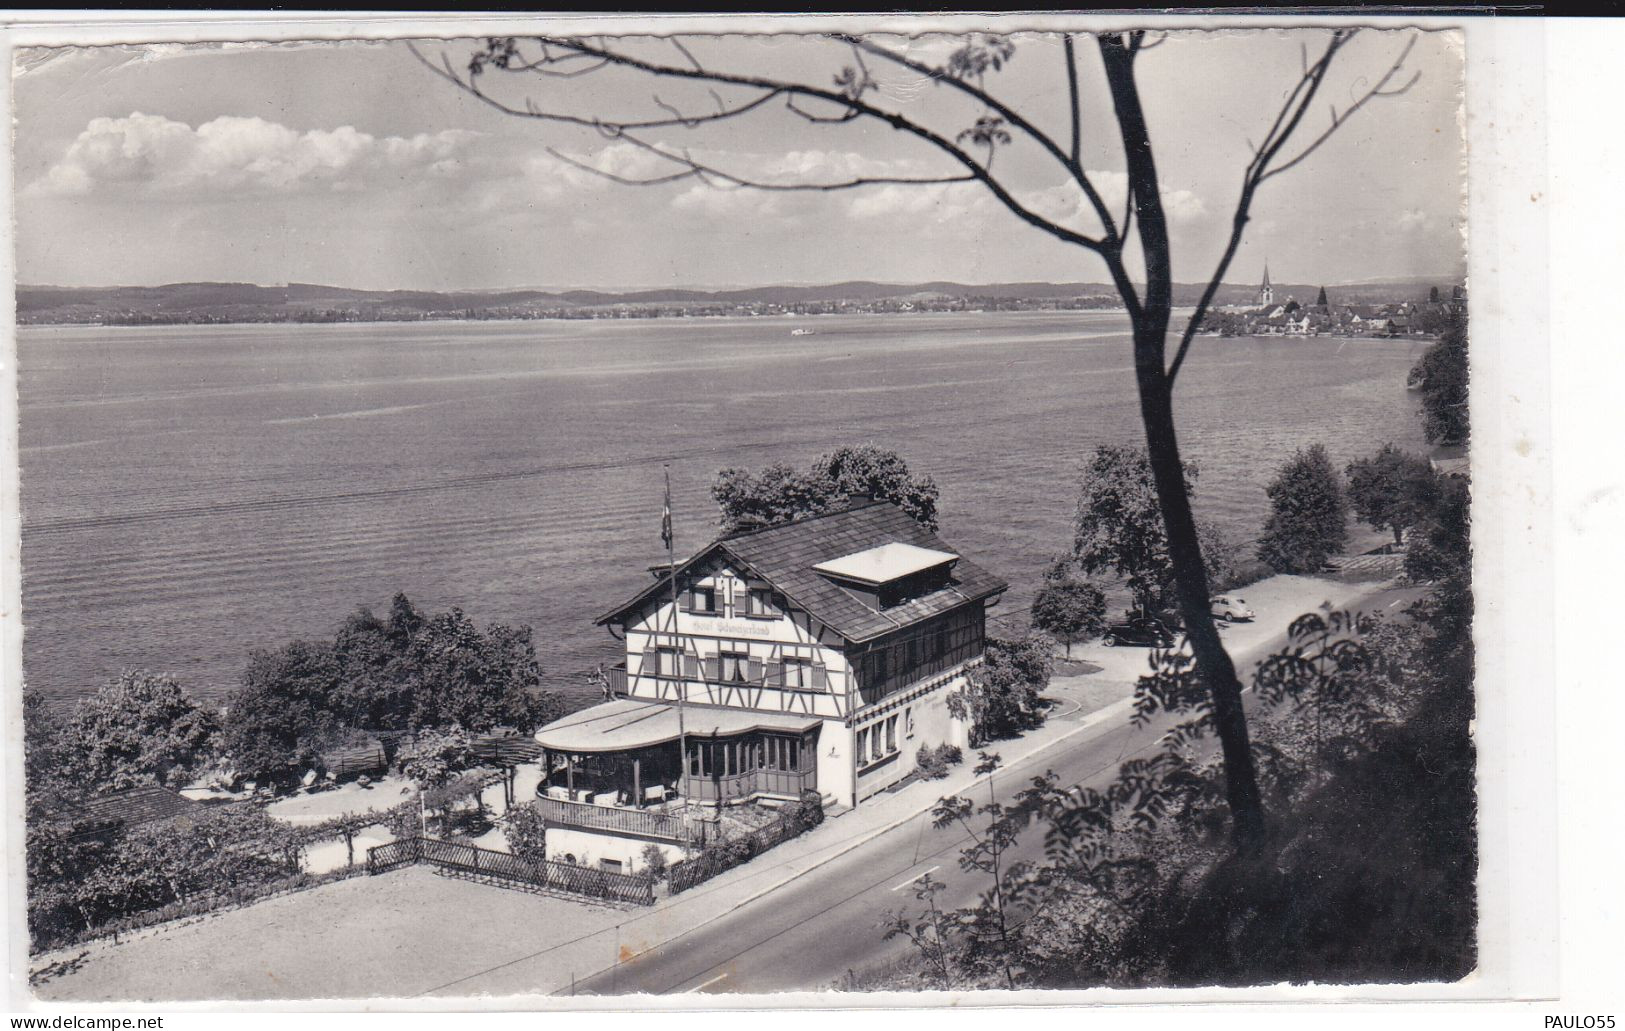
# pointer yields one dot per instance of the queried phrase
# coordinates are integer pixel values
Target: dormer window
(891, 574)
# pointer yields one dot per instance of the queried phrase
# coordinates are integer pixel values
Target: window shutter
(691, 665)
(820, 677)
(773, 676)
(753, 670)
(651, 663)
(713, 667)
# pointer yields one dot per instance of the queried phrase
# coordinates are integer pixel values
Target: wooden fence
(511, 870)
(725, 855)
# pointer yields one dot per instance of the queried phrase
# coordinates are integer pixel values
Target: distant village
(1271, 315)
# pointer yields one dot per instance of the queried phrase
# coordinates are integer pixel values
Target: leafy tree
(45, 782)
(409, 672)
(1000, 697)
(1441, 553)
(140, 728)
(781, 493)
(857, 94)
(434, 757)
(1119, 528)
(462, 677)
(1308, 520)
(988, 923)
(283, 708)
(1442, 372)
(1068, 609)
(1391, 489)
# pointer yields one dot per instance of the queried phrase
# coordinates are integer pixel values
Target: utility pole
(676, 641)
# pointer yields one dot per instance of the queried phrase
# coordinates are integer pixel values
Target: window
(798, 673)
(702, 600)
(760, 603)
(891, 734)
(733, 667)
(669, 662)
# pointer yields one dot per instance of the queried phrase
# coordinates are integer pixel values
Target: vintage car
(1231, 608)
(1141, 630)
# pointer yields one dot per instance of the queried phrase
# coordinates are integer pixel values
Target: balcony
(617, 680)
(741, 786)
(677, 826)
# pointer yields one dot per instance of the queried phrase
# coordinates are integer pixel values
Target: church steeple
(1266, 292)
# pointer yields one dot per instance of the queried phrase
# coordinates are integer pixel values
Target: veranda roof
(625, 724)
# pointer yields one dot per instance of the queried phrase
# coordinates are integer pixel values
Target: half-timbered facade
(813, 656)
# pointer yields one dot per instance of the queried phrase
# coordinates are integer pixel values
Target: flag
(665, 516)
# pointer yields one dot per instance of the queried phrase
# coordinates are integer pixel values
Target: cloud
(237, 155)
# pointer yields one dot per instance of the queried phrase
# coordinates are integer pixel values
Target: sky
(352, 164)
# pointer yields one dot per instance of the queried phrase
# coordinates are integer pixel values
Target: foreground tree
(555, 66)
(1392, 489)
(141, 728)
(1308, 521)
(781, 493)
(1442, 371)
(1068, 609)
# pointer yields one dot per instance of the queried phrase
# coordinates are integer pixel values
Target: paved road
(806, 935)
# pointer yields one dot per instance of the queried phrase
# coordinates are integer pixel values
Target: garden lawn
(392, 936)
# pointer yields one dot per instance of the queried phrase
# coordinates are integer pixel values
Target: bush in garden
(525, 831)
(653, 861)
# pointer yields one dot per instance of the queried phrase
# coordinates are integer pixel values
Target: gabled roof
(785, 555)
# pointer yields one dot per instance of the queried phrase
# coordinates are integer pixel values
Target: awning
(624, 724)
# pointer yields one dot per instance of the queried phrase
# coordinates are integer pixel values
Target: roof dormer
(891, 574)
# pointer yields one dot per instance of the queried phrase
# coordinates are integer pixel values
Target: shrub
(653, 861)
(525, 831)
(1000, 696)
(933, 762)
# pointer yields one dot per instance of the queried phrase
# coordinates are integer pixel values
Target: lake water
(190, 493)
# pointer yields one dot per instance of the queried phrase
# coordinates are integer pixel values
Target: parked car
(1139, 630)
(1230, 607)
(1167, 617)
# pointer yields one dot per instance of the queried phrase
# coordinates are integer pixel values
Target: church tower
(1266, 293)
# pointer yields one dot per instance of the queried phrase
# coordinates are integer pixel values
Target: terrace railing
(647, 823)
(513, 871)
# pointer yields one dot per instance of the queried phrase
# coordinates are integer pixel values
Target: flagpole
(676, 639)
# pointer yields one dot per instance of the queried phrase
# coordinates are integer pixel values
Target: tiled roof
(143, 804)
(784, 556)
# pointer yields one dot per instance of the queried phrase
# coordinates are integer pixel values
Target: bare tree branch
(1072, 95)
(1014, 118)
(678, 120)
(694, 169)
(768, 88)
(1264, 167)
(1375, 91)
